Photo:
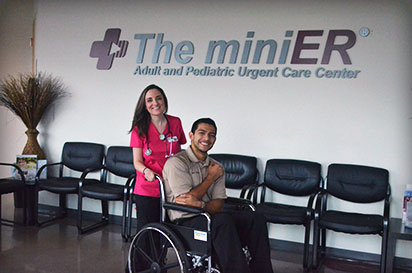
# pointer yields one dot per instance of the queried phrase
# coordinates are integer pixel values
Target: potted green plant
(29, 96)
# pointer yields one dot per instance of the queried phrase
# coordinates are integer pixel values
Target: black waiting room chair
(119, 162)
(76, 157)
(353, 184)
(13, 185)
(296, 179)
(241, 174)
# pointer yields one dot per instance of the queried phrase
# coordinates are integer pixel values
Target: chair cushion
(354, 223)
(63, 184)
(8, 185)
(82, 155)
(292, 177)
(119, 160)
(240, 170)
(104, 191)
(355, 183)
(283, 214)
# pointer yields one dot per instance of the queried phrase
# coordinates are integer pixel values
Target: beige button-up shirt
(182, 173)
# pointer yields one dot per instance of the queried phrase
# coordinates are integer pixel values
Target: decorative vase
(32, 146)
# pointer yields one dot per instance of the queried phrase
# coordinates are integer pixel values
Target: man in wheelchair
(194, 179)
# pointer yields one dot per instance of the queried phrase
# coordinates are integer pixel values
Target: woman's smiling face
(155, 104)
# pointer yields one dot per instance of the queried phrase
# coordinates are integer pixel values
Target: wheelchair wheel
(155, 248)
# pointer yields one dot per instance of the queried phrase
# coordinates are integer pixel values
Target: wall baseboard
(276, 244)
(342, 254)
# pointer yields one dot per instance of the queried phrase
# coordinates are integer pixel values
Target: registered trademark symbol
(364, 32)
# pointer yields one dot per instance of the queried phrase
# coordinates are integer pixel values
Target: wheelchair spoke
(144, 255)
(153, 246)
(156, 249)
(163, 251)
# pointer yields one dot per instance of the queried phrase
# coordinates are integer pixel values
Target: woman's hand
(149, 175)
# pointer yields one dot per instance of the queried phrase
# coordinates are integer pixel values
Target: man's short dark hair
(203, 120)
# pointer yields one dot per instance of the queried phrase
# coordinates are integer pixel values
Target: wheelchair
(170, 247)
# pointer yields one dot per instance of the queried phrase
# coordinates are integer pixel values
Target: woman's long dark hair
(141, 117)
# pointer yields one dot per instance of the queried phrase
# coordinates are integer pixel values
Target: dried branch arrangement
(30, 95)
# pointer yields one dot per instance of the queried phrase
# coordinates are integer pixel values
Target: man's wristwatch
(203, 204)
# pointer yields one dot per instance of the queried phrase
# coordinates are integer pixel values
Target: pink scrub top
(160, 152)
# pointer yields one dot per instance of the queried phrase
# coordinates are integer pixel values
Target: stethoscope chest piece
(163, 137)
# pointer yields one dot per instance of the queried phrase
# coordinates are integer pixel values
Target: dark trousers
(148, 210)
(231, 232)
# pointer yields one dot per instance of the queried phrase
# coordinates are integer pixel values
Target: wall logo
(297, 54)
(108, 49)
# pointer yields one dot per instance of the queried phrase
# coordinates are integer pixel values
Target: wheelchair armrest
(183, 208)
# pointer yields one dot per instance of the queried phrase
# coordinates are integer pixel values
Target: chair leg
(104, 221)
(105, 210)
(384, 251)
(62, 205)
(315, 247)
(130, 216)
(25, 206)
(124, 233)
(36, 206)
(60, 215)
(323, 243)
(306, 246)
(79, 213)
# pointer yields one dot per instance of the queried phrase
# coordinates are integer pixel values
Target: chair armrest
(90, 170)
(246, 191)
(236, 204)
(319, 206)
(253, 192)
(87, 171)
(17, 168)
(9, 164)
(44, 167)
(130, 183)
(131, 180)
(310, 204)
(238, 201)
(386, 208)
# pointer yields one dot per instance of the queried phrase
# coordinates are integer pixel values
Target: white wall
(366, 120)
(16, 18)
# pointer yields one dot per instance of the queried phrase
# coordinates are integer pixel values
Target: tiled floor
(58, 248)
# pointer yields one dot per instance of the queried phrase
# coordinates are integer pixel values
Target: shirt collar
(194, 159)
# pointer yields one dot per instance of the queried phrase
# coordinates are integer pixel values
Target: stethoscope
(163, 137)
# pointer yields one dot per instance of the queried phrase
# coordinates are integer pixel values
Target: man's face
(204, 137)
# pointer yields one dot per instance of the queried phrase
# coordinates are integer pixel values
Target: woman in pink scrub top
(155, 137)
